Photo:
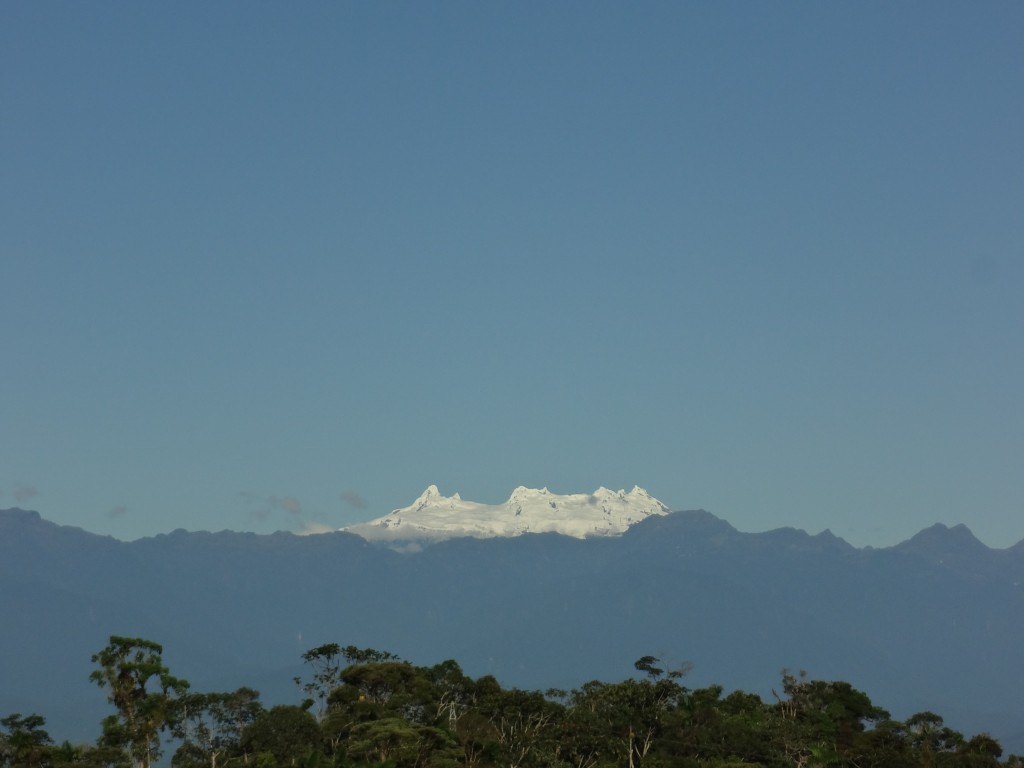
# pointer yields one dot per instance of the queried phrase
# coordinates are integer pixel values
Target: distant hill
(934, 623)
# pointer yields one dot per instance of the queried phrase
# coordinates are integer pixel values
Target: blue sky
(268, 266)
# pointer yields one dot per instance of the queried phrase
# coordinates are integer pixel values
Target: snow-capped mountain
(434, 517)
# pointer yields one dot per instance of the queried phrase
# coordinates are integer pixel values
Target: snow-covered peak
(433, 516)
(432, 492)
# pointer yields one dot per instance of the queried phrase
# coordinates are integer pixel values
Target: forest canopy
(365, 707)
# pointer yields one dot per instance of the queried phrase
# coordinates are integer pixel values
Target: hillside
(931, 624)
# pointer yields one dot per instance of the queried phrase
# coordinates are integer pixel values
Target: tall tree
(324, 661)
(210, 725)
(631, 715)
(526, 725)
(144, 693)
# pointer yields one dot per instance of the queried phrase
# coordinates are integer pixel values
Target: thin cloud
(289, 504)
(258, 507)
(25, 492)
(353, 499)
(117, 512)
(262, 507)
(299, 521)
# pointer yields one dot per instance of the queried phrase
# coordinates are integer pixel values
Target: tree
(931, 737)
(88, 756)
(628, 717)
(379, 687)
(888, 746)
(391, 684)
(144, 693)
(24, 744)
(824, 721)
(398, 742)
(451, 692)
(287, 734)
(980, 751)
(356, 655)
(328, 673)
(210, 725)
(524, 725)
(324, 662)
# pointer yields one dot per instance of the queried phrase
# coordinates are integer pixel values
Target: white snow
(434, 517)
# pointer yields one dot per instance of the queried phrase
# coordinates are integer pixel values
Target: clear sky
(269, 266)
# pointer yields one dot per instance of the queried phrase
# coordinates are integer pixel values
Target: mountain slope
(913, 627)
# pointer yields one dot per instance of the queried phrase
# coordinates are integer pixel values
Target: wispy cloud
(264, 505)
(353, 499)
(262, 508)
(25, 492)
(289, 504)
(259, 509)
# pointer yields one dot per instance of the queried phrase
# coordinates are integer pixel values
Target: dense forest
(364, 707)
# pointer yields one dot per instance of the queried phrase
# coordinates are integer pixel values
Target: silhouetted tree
(144, 693)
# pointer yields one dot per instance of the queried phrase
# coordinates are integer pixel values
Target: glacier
(436, 517)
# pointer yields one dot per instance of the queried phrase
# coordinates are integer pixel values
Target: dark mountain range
(935, 623)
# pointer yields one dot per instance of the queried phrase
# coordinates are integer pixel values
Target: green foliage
(210, 726)
(403, 744)
(371, 708)
(627, 722)
(285, 735)
(323, 661)
(144, 693)
(23, 742)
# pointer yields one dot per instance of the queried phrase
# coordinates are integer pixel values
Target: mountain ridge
(535, 610)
